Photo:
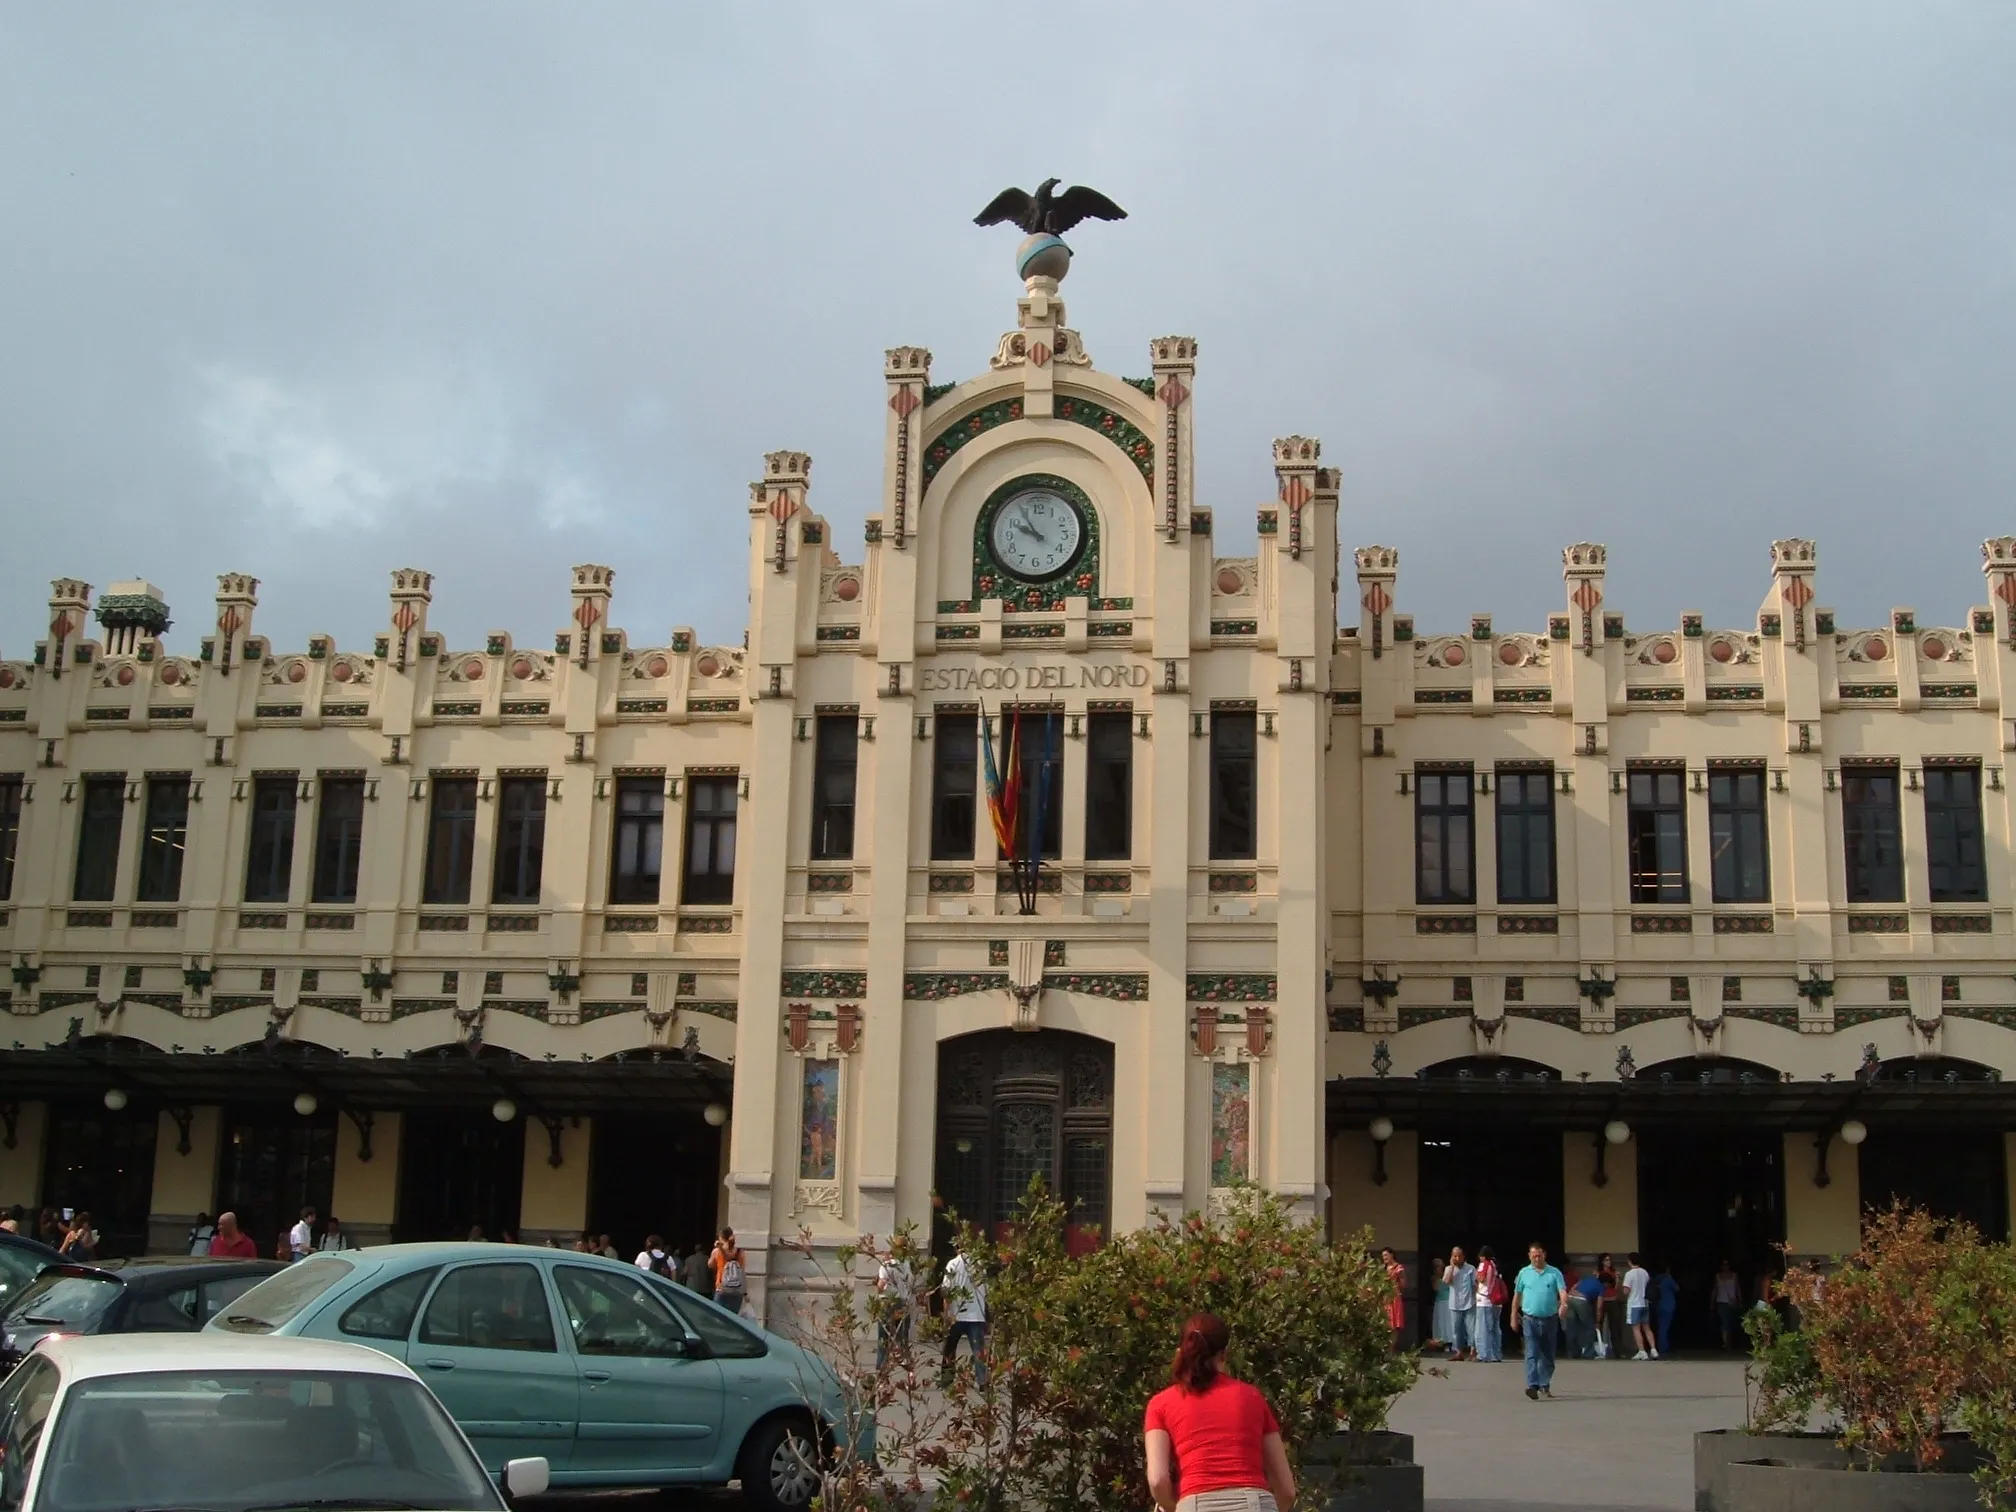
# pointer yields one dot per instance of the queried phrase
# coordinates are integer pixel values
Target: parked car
(642, 1384)
(166, 1294)
(21, 1261)
(227, 1424)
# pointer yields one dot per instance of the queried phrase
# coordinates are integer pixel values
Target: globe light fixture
(115, 1098)
(1854, 1131)
(305, 1103)
(716, 1114)
(1381, 1129)
(1617, 1131)
(504, 1110)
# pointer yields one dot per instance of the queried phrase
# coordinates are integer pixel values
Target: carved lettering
(1040, 676)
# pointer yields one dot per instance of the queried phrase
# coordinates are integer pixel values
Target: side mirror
(527, 1477)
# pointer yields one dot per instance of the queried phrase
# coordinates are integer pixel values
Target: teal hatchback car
(615, 1376)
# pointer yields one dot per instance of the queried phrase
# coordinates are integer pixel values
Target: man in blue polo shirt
(1537, 1296)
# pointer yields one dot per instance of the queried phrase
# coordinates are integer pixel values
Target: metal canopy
(449, 1076)
(1655, 1104)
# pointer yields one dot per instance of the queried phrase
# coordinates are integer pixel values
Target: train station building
(1690, 938)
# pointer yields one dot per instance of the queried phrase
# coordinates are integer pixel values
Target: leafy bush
(1078, 1344)
(1787, 1380)
(1985, 1278)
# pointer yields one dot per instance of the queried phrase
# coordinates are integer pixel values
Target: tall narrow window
(98, 826)
(1738, 839)
(339, 838)
(451, 841)
(1445, 866)
(1235, 825)
(1041, 798)
(835, 756)
(637, 854)
(269, 859)
(710, 841)
(10, 830)
(1658, 836)
(1525, 836)
(1952, 835)
(521, 839)
(1871, 834)
(1109, 787)
(954, 785)
(166, 840)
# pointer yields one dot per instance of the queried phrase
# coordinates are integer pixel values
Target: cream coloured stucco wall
(365, 1194)
(1595, 1219)
(554, 1199)
(1822, 1221)
(1392, 1210)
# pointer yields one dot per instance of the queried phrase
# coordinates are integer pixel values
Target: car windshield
(278, 1298)
(240, 1440)
(64, 1299)
(18, 1267)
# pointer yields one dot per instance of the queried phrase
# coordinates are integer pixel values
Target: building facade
(1691, 939)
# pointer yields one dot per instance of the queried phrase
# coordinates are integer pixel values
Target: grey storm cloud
(313, 292)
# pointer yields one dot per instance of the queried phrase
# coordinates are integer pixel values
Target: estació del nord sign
(1032, 677)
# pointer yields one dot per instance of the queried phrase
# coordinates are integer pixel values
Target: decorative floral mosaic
(824, 984)
(1238, 988)
(936, 986)
(1120, 986)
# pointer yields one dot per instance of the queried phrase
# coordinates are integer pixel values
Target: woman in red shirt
(1213, 1441)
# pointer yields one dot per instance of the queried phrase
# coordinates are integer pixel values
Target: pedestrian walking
(653, 1258)
(1213, 1444)
(1611, 1327)
(333, 1237)
(1638, 1310)
(1460, 1276)
(1488, 1321)
(1585, 1302)
(1666, 1291)
(1396, 1305)
(81, 1242)
(730, 1273)
(896, 1295)
(699, 1275)
(1539, 1295)
(232, 1242)
(1436, 1287)
(1727, 1304)
(965, 1292)
(301, 1237)
(201, 1232)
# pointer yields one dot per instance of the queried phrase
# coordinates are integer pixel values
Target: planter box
(1769, 1486)
(1366, 1472)
(1716, 1451)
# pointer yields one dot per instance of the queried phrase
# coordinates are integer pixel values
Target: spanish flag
(1003, 792)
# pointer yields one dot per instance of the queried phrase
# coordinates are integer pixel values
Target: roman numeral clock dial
(1037, 534)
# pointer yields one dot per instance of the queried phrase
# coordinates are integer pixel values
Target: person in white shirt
(301, 1237)
(896, 1285)
(1638, 1309)
(333, 1237)
(966, 1306)
(653, 1258)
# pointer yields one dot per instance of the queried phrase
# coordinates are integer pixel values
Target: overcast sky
(317, 291)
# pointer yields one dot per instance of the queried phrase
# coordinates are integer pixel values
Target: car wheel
(779, 1467)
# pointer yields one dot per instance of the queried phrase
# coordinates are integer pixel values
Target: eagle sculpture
(1044, 212)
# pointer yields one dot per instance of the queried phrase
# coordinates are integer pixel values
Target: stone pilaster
(1174, 362)
(908, 371)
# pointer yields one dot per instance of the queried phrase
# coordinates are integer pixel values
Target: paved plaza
(1617, 1434)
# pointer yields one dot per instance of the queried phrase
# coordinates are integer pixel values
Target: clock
(1037, 533)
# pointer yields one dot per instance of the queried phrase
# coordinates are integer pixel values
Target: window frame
(1514, 825)
(453, 1276)
(449, 864)
(1730, 811)
(1862, 820)
(339, 839)
(565, 1274)
(1113, 808)
(1946, 823)
(269, 840)
(712, 886)
(101, 834)
(836, 772)
(1234, 780)
(631, 833)
(1039, 752)
(1642, 830)
(12, 786)
(955, 783)
(518, 863)
(1448, 817)
(164, 838)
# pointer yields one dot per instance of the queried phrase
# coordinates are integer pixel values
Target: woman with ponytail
(1214, 1445)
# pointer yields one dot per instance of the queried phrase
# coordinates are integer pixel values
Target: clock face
(1037, 534)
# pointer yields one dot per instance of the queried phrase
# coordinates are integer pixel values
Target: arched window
(1015, 1108)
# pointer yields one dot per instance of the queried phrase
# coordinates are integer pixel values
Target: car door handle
(439, 1364)
(597, 1377)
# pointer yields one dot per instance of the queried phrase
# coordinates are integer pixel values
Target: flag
(1003, 790)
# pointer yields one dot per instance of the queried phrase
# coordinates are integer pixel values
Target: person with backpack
(652, 1257)
(1491, 1290)
(699, 1272)
(730, 1274)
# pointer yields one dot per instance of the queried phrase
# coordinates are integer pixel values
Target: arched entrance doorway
(1014, 1107)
